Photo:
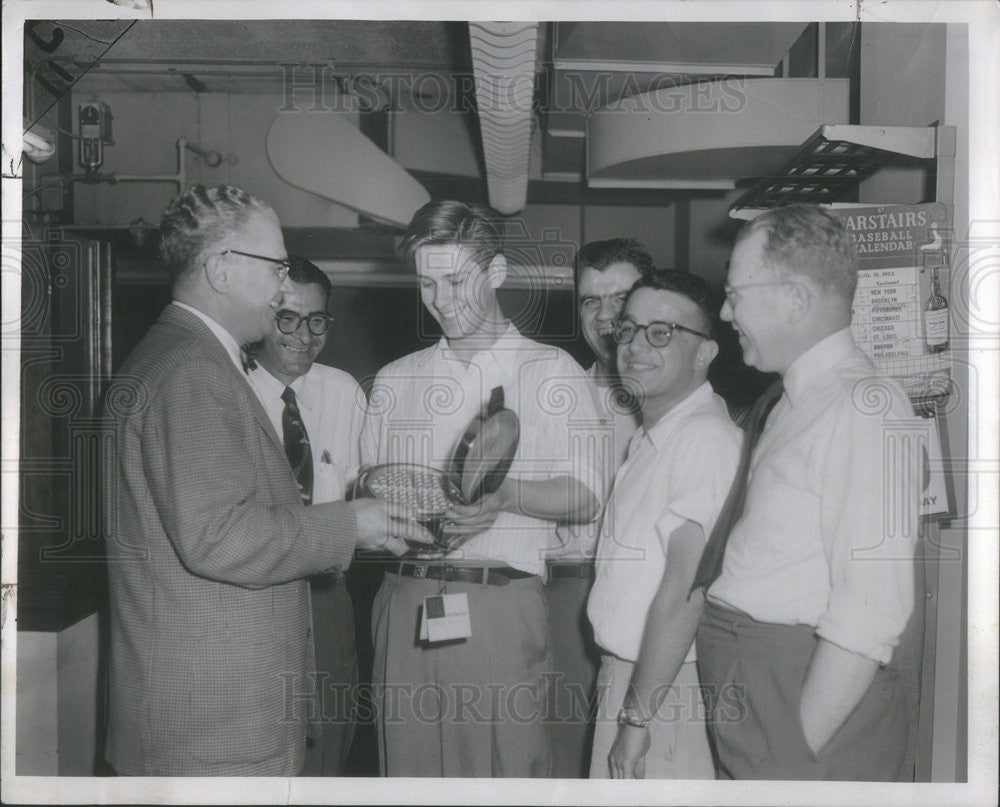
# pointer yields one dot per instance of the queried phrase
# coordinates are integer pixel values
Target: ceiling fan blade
(326, 155)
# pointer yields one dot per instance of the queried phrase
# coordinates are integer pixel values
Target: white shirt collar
(275, 386)
(502, 353)
(813, 366)
(698, 397)
(226, 338)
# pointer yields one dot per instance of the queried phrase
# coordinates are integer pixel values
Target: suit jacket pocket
(231, 702)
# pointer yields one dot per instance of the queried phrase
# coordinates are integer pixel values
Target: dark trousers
(753, 673)
(336, 677)
(576, 661)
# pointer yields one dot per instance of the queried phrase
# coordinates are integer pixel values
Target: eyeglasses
(283, 263)
(658, 334)
(733, 292)
(288, 322)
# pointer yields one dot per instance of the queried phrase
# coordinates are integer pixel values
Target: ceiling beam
(473, 190)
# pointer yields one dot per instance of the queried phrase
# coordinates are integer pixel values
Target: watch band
(630, 717)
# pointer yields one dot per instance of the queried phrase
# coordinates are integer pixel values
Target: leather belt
(321, 581)
(584, 569)
(490, 575)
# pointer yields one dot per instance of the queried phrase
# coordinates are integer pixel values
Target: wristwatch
(630, 717)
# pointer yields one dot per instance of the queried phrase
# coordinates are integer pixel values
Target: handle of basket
(496, 401)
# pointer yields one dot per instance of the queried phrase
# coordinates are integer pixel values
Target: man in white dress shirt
(604, 272)
(815, 584)
(332, 407)
(476, 705)
(664, 503)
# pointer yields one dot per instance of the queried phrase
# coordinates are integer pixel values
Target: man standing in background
(331, 407)
(809, 573)
(604, 272)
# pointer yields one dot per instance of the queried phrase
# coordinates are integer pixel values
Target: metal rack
(838, 157)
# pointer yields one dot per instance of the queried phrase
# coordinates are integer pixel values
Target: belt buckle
(419, 571)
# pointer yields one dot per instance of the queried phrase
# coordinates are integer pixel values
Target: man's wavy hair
(198, 220)
(695, 288)
(807, 241)
(477, 227)
(600, 255)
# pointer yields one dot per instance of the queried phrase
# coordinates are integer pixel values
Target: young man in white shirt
(604, 272)
(815, 583)
(664, 503)
(332, 409)
(476, 705)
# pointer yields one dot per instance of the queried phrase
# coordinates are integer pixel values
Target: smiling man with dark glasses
(666, 498)
(289, 322)
(319, 411)
(603, 273)
(657, 333)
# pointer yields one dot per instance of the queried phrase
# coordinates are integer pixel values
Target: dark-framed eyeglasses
(283, 264)
(288, 322)
(658, 334)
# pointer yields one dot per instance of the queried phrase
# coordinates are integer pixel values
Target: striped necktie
(297, 445)
(710, 565)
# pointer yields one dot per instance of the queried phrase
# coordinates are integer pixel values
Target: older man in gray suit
(209, 538)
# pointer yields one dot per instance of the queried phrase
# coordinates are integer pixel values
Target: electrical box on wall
(95, 133)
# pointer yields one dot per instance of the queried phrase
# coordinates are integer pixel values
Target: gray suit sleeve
(224, 492)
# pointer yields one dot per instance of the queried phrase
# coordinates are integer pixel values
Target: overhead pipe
(211, 158)
(504, 58)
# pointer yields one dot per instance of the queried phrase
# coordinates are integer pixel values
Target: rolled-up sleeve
(705, 463)
(870, 521)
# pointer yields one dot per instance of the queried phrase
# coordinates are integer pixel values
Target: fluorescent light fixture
(38, 144)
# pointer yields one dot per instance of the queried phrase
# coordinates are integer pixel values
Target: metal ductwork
(708, 135)
(504, 59)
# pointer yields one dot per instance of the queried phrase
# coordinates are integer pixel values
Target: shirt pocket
(330, 481)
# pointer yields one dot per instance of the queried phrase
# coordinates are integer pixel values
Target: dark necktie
(297, 445)
(710, 565)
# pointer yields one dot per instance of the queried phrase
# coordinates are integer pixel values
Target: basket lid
(486, 450)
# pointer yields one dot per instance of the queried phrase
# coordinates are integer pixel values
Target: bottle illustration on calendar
(936, 316)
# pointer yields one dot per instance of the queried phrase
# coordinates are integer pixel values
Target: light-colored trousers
(678, 733)
(469, 707)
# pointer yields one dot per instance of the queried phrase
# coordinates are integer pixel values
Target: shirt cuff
(858, 630)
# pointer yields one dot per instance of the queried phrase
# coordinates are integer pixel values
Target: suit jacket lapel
(175, 315)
